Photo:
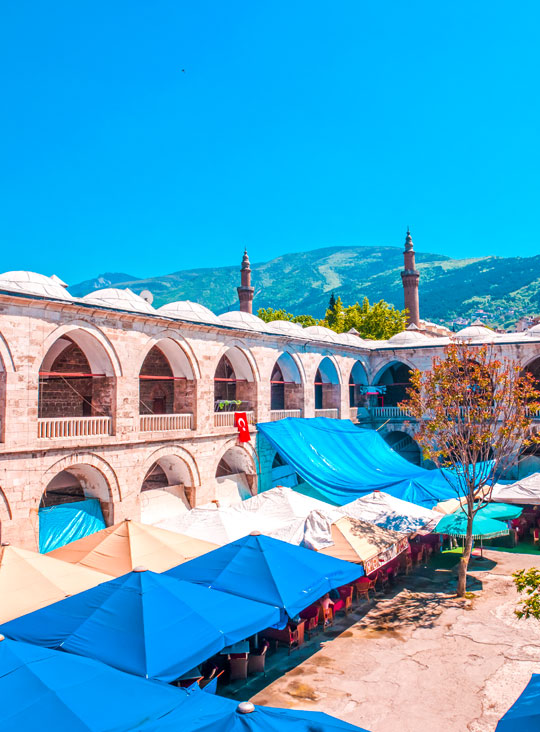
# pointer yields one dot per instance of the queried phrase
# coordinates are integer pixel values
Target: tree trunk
(464, 562)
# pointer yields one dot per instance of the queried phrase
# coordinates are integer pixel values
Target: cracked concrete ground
(419, 658)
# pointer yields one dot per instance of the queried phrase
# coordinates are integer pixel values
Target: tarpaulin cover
(43, 689)
(50, 690)
(145, 623)
(344, 462)
(393, 513)
(58, 525)
(29, 580)
(524, 491)
(129, 544)
(271, 571)
(524, 714)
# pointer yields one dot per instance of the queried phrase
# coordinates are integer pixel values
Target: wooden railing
(59, 427)
(388, 413)
(226, 419)
(331, 413)
(276, 414)
(162, 422)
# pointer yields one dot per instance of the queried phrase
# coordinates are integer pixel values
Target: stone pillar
(245, 291)
(410, 277)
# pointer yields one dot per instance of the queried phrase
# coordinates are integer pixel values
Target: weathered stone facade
(128, 438)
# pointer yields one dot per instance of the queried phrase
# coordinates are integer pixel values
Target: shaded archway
(166, 384)
(77, 380)
(395, 378)
(167, 490)
(236, 476)
(234, 385)
(357, 385)
(286, 387)
(404, 445)
(327, 386)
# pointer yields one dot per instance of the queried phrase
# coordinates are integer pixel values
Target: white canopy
(220, 525)
(392, 513)
(285, 504)
(524, 491)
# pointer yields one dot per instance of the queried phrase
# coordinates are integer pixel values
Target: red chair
(363, 586)
(345, 599)
(292, 638)
(311, 617)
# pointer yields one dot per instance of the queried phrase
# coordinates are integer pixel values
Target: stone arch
(6, 366)
(168, 484)
(236, 472)
(404, 444)
(286, 384)
(77, 374)
(179, 353)
(235, 380)
(166, 379)
(358, 380)
(6, 359)
(80, 476)
(101, 354)
(327, 384)
(394, 377)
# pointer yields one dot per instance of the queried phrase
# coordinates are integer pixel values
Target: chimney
(410, 277)
(245, 291)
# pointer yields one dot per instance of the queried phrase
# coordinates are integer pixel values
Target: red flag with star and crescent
(240, 420)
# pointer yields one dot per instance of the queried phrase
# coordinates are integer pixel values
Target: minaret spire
(410, 277)
(245, 291)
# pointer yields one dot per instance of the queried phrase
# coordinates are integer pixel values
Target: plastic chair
(345, 596)
(363, 587)
(257, 661)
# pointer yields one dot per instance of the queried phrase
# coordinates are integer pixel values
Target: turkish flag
(240, 420)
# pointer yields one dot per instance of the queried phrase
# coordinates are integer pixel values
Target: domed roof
(112, 297)
(187, 310)
(475, 333)
(33, 283)
(286, 327)
(239, 319)
(320, 333)
(534, 330)
(408, 337)
(349, 339)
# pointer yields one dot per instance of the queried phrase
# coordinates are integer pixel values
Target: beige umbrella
(129, 544)
(29, 581)
(365, 543)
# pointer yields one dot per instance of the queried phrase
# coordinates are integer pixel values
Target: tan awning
(364, 542)
(29, 581)
(129, 544)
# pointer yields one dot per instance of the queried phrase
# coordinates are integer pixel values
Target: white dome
(112, 297)
(320, 333)
(187, 310)
(33, 283)
(408, 337)
(286, 327)
(475, 333)
(349, 339)
(239, 319)
(534, 330)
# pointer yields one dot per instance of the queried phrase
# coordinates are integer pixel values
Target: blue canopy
(145, 623)
(58, 525)
(524, 714)
(270, 571)
(44, 689)
(344, 462)
(219, 714)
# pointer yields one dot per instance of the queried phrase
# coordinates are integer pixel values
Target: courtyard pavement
(417, 658)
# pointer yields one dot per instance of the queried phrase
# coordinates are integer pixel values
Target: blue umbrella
(269, 570)
(524, 714)
(225, 715)
(145, 623)
(455, 524)
(45, 689)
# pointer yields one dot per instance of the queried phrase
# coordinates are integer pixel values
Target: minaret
(410, 277)
(245, 291)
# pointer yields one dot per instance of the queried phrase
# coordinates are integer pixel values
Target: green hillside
(505, 288)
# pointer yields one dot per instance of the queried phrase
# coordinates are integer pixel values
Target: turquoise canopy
(59, 525)
(455, 524)
(344, 462)
(501, 511)
(144, 623)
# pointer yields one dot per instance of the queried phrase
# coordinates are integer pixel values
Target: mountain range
(497, 289)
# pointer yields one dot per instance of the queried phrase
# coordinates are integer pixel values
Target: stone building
(107, 397)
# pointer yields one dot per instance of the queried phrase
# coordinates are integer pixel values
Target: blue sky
(295, 125)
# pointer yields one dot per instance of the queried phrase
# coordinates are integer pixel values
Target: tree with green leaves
(270, 314)
(471, 410)
(378, 322)
(527, 583)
